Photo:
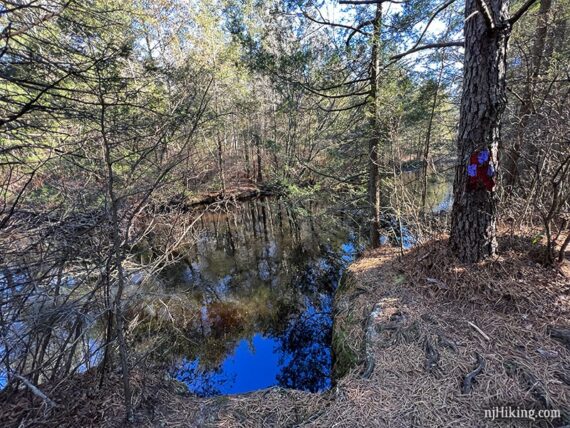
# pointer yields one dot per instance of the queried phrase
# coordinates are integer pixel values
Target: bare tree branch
(428, 46)
(34, 389)
(369, 1)
(433, 16)
(487, 14)
(519, 13)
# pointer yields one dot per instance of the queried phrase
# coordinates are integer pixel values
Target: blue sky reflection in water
(255, 364)
(297, 260)
(300, 359)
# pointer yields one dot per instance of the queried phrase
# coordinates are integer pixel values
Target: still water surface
(248, 304)
(265, 274)
(261, 278)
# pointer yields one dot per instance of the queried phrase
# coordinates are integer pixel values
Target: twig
(487, 14)
(425, 256)
(34, 389)
(478, 330)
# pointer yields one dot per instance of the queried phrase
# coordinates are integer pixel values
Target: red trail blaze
(481, 173)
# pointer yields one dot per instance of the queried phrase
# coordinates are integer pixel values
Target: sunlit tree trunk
(525, 110)
(221, 174)
(259, 177)
(375, 133)
(473, 222)
(426, 152)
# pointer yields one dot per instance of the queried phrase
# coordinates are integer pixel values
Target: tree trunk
(375, 134)
(221, 163)
(246, 158)
(425, 159)
(473, 219)
(116, 254)
(259, 177)
(526, 107)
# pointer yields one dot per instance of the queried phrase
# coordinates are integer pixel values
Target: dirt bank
(421, 340)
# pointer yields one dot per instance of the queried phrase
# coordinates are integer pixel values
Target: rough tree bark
(526, 107)
(375, 133)
(473, 222)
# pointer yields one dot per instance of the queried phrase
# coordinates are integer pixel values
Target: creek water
(262, 277)
(265, 274)
(248, 303)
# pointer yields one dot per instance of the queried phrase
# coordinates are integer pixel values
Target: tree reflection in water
(265, 275)
(307, 342)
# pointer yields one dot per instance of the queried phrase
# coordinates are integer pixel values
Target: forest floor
(425, 342)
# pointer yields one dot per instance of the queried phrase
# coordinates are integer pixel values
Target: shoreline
(409, 336)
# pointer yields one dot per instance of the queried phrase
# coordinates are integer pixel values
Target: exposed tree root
(468, 381)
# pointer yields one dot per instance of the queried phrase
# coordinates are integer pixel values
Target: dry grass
(431, 306)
